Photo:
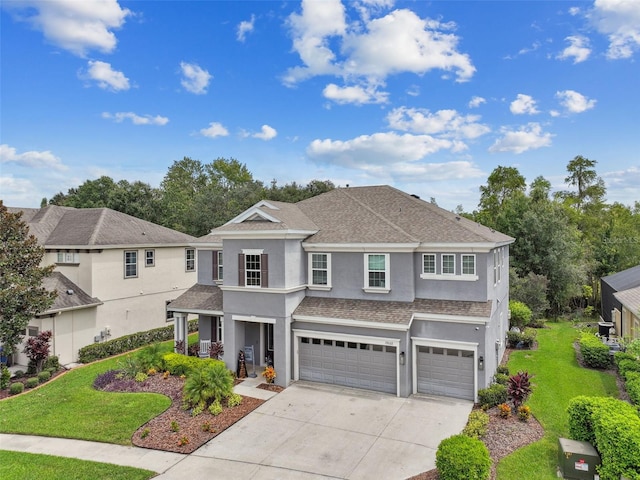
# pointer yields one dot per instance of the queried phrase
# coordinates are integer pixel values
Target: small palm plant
(207, 384)
(519, 388)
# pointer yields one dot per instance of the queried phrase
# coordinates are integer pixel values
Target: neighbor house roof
(69, 295)
(97, 227)
(378, 214)
(392, 312)
(624, 280)
(630, 299)
(198, 299)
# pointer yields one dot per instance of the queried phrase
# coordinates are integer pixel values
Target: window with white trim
(149, 258)
(320, 269)
(217, 269)
(220, 329)
(377, 270)
(252, 270)
(429, 263)
(190, 259)
(495, 266)
(130, 263)
(68, 257)
(468, 264)
(448, 264)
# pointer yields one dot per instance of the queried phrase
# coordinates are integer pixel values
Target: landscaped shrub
(520, 314)
(179, 364)
(619, 356)
(524, 339)
(98, 351)
(16, 388)
(477, 424)
(215, 408)
(108, 377)
(632, 385)
(612, 426)
(625, 365)
(502, 369)
(501, 378)
(52, 362)
(44, 376)
(18, 374)
(594, 353)
(633, 348)
(519, 388)
(141, 377)
(31, 382)
(204, 385)
(462, 458)
(5, 377)
(234, 400)
(37, 349)
(524, 413)
(492, 396)
(151, 358)
(505, 410)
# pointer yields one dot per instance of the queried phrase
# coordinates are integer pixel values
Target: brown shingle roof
(399, 313)
(103, 227)
(288, 216)
(198, 298)
(70, 296)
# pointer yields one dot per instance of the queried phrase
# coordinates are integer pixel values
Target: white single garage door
(445, 371)
(352, 364)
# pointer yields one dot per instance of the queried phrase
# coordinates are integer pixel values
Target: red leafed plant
(519, 388)
(37, 348)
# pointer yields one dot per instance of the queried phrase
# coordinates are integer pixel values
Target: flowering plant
(505, 410)
(269, 374)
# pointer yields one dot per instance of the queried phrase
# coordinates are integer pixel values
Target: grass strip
(558, 378)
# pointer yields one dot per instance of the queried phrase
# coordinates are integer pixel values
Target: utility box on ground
(577, 460)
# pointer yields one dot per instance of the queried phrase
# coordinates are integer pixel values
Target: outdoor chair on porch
(205, 345)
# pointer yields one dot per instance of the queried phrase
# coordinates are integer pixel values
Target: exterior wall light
(401, 358)
(480, 362)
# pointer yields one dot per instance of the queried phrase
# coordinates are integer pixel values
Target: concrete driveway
(312, 431)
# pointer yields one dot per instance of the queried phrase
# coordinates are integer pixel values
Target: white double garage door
(374, 364)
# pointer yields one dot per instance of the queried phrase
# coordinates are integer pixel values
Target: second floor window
(468, 264)
(448, 264)
(130, 263)
(429, 263)
(68, 257)
(217, 265)
(320, 269)
(253, 269)
(377, 270)
(190, 259)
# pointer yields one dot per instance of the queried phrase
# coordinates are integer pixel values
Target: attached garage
(368, 363)
(446, 369)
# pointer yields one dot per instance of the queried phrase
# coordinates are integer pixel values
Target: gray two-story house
(367, 287)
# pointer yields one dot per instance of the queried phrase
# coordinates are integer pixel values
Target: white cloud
(16, 191)
(119, 117)
(244, 27)
(578, 49)
(619, 20)
(476, 101)
(371, 49)
(622, 185)
(523, 104)
(31, 159)
(447, 123)
(214, 130)
(195, 79)
(76, 26)
(358, 95)
(575, 102)
(413, 90)
(106, 77)
(528, 137)
(573, 11)
(266, 133)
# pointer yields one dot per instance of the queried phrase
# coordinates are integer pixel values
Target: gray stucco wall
(205, 267)
(475, 291)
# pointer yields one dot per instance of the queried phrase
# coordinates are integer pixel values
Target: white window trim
(442, 264)
(153, 257)
(221, 329)
(387, 276)
(247, 270)
(186, 260)
(61, 258)
(313, 286)
(475, 265)
(220, 266)
(435, 264)
(125, 263)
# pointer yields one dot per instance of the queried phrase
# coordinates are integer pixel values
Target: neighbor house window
(130, 263)
(190, 259)
(429, 263)
(217, 265)
(320, 268)
(149, 258)
(495, 267)
(253, 269)
(169, 315)
(377, 271)
(468, 264)
(68, 257)
(448, 264)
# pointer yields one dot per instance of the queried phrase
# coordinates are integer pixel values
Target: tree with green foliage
(531, 290)
(583, 176)
(22, 295)
(503, 184)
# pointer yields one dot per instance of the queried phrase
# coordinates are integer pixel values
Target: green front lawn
(558, 378)
(31, 466)
(70, 407)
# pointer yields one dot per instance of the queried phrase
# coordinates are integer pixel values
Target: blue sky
(429, 97)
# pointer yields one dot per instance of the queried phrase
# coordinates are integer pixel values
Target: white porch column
(180, 330)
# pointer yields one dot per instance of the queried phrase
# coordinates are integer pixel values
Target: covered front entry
(351, 361)
(445, 368)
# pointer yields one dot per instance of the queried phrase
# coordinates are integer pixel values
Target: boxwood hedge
(594, 353)
(462, 458)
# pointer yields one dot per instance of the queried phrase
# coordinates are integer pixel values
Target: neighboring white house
(366, 287)
(114, 275)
